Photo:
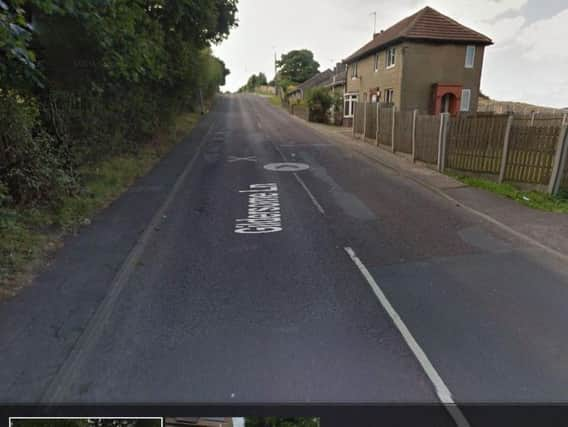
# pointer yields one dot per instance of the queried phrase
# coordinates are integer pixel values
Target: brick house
(427, 62)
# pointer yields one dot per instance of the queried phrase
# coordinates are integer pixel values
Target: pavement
(214, 279)
(547, 230)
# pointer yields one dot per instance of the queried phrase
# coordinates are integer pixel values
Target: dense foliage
(320, 101)
(297, 66)
(83, 79)
(253, 82)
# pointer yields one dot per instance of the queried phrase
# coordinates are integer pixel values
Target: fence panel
(371, 122)
(427, 128)
(475, 143)
(564, 182)
(403, 132)
(538, 120)
(359, 118)
(531, 153)
(385, 125)
(300, 111)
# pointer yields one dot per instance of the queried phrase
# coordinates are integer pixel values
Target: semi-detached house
(427, 62)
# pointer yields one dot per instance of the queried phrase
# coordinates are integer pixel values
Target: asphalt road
(160, 300)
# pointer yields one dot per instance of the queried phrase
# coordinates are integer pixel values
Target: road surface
(184, 290)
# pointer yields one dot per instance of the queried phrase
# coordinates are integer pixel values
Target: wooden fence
(427, 132)
(476, 143)
(301, 111)
(503, 107)
(527, 149)
(403, 131)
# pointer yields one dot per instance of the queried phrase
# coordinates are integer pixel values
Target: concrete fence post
(354, 122)
(565, 119)
(364, 122)
(393, 127)
(378, 124)
(559, 161)
(414, 116)
(505, 155)
(533, 115)
(442, 141)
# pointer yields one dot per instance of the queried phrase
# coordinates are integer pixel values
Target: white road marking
(304, 145)
(302, 183)
(67, 375)
(233, 159)
(264, 214)
(286, 167)
(310, 195)
(442, 390)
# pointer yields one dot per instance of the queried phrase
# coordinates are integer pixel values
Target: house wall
(428, 63)
(417, 67)
(384, 78)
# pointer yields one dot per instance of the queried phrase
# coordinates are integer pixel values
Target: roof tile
(426, 24)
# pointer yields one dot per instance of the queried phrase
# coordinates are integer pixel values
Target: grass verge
(533, 199)
(275, 100)
(29, 235)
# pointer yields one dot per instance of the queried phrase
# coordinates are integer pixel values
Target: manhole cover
(286, 167)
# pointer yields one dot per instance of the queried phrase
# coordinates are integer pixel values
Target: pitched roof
(314, 81)
(426, 24)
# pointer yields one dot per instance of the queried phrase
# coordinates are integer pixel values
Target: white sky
(528, 62)
(238, 422)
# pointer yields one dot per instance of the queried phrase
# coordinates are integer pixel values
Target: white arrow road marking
(442, 390)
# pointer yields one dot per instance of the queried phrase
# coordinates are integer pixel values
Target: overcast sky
(528, 62)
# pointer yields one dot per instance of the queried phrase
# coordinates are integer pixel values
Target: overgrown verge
(533, 199)
(29, 233)
(85, 87)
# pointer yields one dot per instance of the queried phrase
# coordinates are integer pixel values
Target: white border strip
(66, 376)
(442, 390)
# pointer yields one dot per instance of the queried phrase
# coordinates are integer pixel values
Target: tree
(85, 79)
(319, 102)
(297, 66)
(253, 82)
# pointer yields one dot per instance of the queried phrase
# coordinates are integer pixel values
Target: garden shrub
(31, 169)
(319, 101)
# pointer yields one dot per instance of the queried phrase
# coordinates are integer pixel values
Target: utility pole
(275, 62)
(375, 23)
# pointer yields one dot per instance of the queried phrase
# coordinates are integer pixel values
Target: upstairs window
(469, 56)
(391, 56)
(354, 70)
(465, 99)
(376, 62)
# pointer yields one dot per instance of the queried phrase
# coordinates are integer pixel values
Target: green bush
(31, 169)
(99, 79)
(319, 101)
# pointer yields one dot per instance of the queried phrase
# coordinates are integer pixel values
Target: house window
(389, 96)
(349, 104)
(465, 99)
(354, 70)
(391, 55)
(469, 56)
(376, 62)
